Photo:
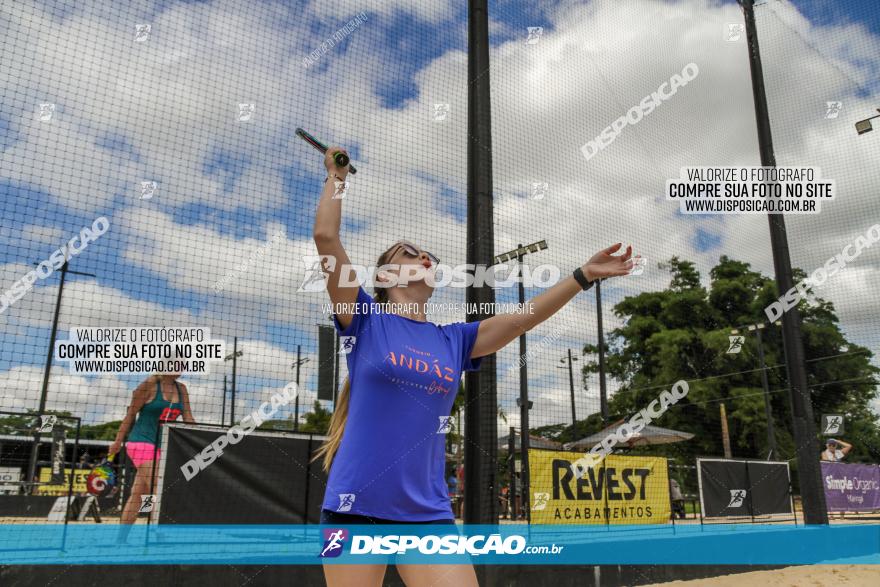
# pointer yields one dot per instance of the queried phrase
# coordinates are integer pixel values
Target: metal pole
(223, 408)
(35, 447)
(511, 486)
(296, 399)
(234, 365)
(481, 455)
(809, 472)
(73, 463)
(771, 433)
(524, 403)
(571, 387)
(603, 397)
(308, 478)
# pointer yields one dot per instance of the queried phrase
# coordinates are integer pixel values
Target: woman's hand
(330, 163)
(604, 264)
(114, 448)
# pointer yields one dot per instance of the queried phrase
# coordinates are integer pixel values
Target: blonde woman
(384, 455)
(159, 398)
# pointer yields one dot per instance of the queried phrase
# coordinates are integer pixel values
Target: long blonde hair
(337, 427)
(340, 410)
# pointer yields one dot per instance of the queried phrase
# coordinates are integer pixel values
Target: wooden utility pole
(725, 434)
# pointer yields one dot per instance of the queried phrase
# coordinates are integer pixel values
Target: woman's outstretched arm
(326, 235)
(496, 332)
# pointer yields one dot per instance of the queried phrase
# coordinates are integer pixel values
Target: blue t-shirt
(404, 375)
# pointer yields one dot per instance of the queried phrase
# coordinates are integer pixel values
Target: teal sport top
(146, 427)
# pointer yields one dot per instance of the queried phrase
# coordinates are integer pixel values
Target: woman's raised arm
(326, 234)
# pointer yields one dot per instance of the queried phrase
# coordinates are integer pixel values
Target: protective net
(154, 187)
(588, 127)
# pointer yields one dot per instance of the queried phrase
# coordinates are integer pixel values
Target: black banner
(262, 478)
(743, 488)
(326, 362)
(771, 488)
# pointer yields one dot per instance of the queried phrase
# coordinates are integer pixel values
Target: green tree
(682, 333)
(318, 420)
(105, 431)
(27, 423)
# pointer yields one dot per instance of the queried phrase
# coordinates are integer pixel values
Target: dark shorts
(342, 518)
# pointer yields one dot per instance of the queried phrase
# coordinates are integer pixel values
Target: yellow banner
(79, 482)
(615, 490)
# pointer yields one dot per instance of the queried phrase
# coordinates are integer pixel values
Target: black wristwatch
(582, 279)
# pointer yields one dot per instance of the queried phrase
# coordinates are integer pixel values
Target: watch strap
(582, 279)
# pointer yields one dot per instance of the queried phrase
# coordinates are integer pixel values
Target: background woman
(384, 454)
(159, 398)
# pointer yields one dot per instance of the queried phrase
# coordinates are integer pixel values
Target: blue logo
(334, 540)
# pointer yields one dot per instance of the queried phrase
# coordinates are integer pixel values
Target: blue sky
(864, 12)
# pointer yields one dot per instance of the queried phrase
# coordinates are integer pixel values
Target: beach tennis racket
(341, 159)
(102, 479)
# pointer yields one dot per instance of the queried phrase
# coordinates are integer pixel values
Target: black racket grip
(341, 159)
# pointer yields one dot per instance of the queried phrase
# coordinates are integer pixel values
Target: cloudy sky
(165, 109)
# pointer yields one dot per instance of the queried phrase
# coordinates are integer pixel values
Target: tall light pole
(233, 356)
(768, 412)
(511, 463)
(223, 408)
(804, 429)
(44, 392)
(570, 385)
(299, 362)
(603, 394)
(481, 449)
(523, 401)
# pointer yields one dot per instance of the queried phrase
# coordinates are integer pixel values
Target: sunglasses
(413, 251)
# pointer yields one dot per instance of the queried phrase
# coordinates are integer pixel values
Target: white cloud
(95, 400)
